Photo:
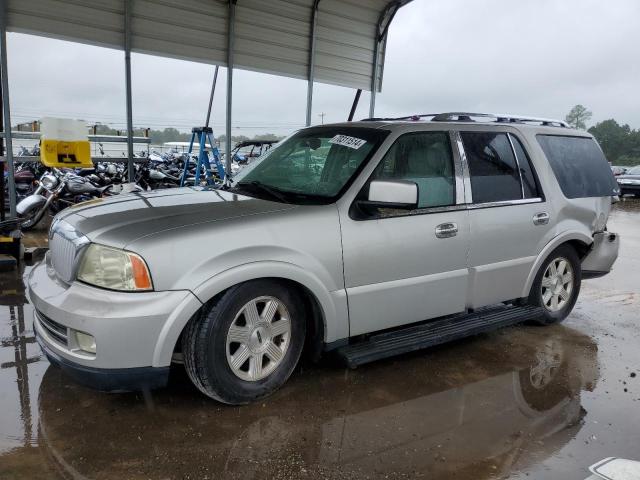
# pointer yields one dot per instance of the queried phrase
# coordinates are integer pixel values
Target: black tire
(549, 317)
(204, 344)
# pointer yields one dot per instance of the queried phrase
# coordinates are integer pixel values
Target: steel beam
(127, 72)
(354, 105)
(231, 21)
(374, 77)
(213, 90)
(312, 60)
(29, 159)
(382, 28)
(6, 109)
(91, 138)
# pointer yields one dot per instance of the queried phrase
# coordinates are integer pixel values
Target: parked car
(413, 232)
(618, 170)
(629, 182)
(244, 152)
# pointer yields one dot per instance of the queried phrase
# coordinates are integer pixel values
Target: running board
(429, 334)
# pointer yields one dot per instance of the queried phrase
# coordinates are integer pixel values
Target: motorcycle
(152, 178)
(24, 174)
(57, 190)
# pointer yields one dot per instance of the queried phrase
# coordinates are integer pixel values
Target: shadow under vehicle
(478, 410)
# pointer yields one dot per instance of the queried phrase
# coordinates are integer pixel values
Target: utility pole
(321, 115)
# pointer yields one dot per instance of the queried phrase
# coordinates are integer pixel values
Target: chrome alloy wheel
(557, 284)
(258, 338)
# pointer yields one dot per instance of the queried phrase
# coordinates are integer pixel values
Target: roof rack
(475, 117)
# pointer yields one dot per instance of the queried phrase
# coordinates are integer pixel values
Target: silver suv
(368, 239)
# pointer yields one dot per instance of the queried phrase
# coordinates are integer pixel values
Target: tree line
(620, 143)
(158, 137)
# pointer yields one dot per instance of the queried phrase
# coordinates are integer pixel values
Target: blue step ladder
(203, 135)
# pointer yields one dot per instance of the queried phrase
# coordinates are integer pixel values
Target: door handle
(447, 230)
(541, 218)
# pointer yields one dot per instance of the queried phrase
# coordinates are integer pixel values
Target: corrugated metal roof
(271, 36)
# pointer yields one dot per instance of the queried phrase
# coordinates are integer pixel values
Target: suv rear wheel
(557, 285)
(246, 344)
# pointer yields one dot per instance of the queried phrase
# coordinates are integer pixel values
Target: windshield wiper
(274, 192)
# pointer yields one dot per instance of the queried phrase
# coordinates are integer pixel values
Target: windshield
(634, 171)
(314, 165)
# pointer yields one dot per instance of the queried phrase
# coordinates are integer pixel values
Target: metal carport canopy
(272, 36)
(340, 42)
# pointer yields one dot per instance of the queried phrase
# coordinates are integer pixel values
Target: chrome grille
(54, 329)
(63, 255)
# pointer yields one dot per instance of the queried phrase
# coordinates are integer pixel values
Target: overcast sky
(534, 57)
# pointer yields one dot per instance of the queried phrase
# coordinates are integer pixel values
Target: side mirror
(399, 194)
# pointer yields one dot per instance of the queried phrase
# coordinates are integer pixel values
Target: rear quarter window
(579, 165)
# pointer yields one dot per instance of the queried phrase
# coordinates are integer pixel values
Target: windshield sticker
(347, 141)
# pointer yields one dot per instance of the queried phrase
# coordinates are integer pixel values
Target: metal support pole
(127, 73)
(381, 36)
(312, 60)
(213, 89)
(6, 109)
(231, 20)
(374, 76)
(356, 99)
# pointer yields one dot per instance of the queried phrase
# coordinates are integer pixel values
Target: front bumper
(135, 333)
(108, 379)
(602, 255)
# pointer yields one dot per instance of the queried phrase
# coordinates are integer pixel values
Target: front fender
(549, 247)
(332, 303)
(32, 201)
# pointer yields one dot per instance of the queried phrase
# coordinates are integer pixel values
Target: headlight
(115, 269)
(49, 182)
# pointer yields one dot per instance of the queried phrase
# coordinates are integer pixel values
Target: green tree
(620, 143)
(578, 117)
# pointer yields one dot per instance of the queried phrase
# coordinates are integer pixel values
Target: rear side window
(492, 167)
(579, 165)
(529, 185)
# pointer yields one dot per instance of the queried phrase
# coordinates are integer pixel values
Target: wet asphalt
(524, 402)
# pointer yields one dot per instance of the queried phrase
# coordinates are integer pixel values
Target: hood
(117, 221)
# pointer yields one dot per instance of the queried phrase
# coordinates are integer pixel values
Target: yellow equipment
(64, 154)
(64, 144)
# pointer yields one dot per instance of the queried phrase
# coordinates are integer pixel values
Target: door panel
(397, 271)
(509, 224)
(504, 245)
(400, 266)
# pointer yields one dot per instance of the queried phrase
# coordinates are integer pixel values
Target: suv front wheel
(246, 344)
(557, 285)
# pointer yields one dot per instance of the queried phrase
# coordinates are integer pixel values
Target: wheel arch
(577, 240)
(325, 312)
